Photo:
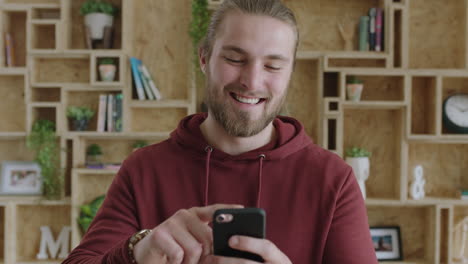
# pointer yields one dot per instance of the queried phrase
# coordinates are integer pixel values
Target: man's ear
(202, 58)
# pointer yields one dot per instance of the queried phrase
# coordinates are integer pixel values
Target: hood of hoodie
(291, 138)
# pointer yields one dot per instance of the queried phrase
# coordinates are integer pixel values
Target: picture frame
(387, 242)
(20, 178)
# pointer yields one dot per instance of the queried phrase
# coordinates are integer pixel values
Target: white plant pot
(354, 91)
(361, 166)
(107, 72)
(96, 22)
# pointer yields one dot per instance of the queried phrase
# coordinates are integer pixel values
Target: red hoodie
(315, 210)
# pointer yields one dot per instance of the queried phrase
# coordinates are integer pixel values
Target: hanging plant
(199, 25)
(43, 141)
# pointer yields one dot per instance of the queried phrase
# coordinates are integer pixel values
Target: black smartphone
(245, 222)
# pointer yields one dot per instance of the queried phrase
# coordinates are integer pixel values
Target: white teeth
(247, 100)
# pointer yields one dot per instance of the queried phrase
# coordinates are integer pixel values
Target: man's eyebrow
(243, 52)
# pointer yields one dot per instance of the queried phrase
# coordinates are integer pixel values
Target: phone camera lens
(220, 218)
(224, 218)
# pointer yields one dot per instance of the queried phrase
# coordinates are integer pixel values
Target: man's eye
(272, 67)
(232, 60)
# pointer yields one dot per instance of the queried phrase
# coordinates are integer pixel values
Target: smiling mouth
(247, 100)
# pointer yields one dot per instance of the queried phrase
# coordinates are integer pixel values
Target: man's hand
(184, 238)
(265, 248)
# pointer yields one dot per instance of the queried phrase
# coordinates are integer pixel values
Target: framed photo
(387, 242)
(20, 177)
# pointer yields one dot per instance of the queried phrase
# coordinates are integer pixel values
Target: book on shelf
(110, 110)
(364, 33)
(464, 194)
(379, 29)
(9, 50)
(372, 14)
(101, 119)
(149, 93)
(118, 113)
(147, 76)
(136, 79)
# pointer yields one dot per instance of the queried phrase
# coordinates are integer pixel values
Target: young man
(239, 154)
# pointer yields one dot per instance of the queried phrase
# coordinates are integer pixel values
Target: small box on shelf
(106, 69)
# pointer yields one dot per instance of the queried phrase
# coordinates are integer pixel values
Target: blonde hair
(272, 8)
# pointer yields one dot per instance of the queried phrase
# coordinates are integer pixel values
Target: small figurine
(417, 186)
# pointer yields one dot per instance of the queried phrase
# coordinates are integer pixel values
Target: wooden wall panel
(437, 34)
(62, 70)
(156, 119)
(162, 42)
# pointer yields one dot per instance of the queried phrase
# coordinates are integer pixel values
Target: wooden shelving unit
(399, 118)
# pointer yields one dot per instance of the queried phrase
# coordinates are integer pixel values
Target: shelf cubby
(314, 16)
(356, 63)
(381, 88)
(459, 214)
(302, 103)
(155, 119)
(46, 94)
(445, 215)
(14, 23)
(86, 186)
(54, 69)
(445, 168)
(423, 106)
(452, 86)
(331, 84)
(13, 106)
(45, 13)
(417, 226)
(44, 113)
(28, 234)
(77, 35)
(433, 43)
(380, 131)
(96, 79)
(43, 35)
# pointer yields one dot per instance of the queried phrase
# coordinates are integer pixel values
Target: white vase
(96, 22)
(361, 166)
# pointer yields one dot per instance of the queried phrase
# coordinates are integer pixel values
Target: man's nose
(252, 76)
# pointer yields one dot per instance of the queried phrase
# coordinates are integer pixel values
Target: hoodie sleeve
(349, 240)
(107, 237)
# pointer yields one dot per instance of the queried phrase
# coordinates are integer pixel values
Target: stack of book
(371, 30)
(110, 113)
(144, 84)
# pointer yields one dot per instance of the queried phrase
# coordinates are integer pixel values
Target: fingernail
(233, 241)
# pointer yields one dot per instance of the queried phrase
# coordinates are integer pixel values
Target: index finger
(206, 213)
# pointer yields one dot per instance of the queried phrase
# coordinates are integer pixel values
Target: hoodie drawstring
(208, 151)
(259, 191)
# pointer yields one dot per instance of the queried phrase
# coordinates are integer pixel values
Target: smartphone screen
(245, 222)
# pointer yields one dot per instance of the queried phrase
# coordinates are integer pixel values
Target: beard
(236, 122)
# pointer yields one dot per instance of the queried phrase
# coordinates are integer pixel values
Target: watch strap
(134, 239)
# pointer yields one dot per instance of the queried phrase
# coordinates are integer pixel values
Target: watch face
(456, 111)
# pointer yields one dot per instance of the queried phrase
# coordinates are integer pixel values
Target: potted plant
(139, 144)
(98, 14)
(88, 212)
(93, 156)
(354, 87)
(44, 142)
(358, 159)
(107, 69)
(79, 117)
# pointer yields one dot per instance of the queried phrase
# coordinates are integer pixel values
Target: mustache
(241, 90)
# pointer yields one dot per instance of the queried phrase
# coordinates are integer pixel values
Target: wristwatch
(134, 240)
